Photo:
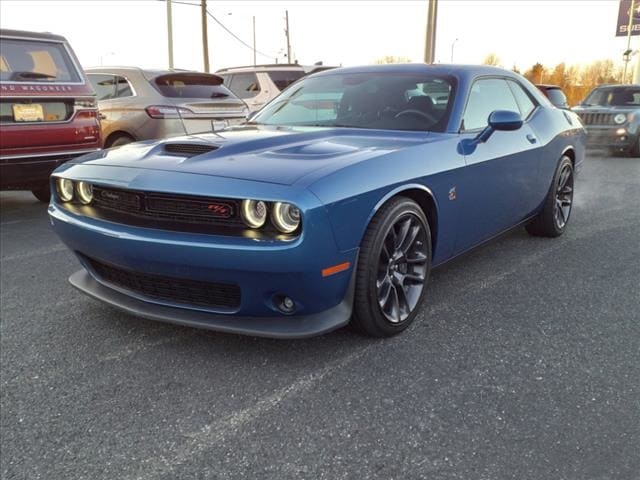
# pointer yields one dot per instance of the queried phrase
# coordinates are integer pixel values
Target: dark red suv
(48, 111)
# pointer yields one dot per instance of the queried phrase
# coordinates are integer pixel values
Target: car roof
(461, 71)
(147, 72)
(4, 32)
(274, 66)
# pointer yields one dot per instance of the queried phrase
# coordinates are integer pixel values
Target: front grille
(188, 149)
(171, 289)
(168, 211)
(597, 118)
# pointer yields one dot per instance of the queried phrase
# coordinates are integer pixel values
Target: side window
(123, 89)
(104, 85)
(486, 96)
(524, 101)
(245, 85)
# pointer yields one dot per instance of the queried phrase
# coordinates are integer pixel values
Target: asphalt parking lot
(524, 364)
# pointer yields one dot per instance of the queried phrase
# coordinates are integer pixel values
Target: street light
(453, 45)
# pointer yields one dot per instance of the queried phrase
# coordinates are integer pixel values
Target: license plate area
(28, 112)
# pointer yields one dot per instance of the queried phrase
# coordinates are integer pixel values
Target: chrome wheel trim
(402, 268)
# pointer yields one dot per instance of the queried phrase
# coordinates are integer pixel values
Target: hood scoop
(189, 149)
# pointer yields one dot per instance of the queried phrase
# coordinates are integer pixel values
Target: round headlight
(254, 213)
(85, 192)
(286, 217)
(620, 118)
(65, 189)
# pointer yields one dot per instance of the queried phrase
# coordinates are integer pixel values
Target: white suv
(259, 84)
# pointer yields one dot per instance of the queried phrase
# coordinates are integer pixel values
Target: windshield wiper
(31, 76)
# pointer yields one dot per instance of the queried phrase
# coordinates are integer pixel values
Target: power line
(238, 38)
(225, 28)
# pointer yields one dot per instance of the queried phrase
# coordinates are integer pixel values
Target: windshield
(30, 61)
(614, 97)
(388, 101)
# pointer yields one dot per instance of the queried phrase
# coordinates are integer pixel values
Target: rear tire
(43, 193)
(554, 216)
(393, 269)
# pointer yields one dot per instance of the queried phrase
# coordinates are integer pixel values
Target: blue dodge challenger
(330, 206)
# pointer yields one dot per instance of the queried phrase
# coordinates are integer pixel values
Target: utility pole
(170, 33)
(627, 53)
(286, 31)
(205, 39)
(430, 44)
(636, 73)
(254, 41)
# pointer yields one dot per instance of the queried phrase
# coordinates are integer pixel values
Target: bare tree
(392, 59)
(491, 59)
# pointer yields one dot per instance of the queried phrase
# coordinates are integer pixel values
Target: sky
(519, 32)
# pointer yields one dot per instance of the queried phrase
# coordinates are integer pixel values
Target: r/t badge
(452, 194)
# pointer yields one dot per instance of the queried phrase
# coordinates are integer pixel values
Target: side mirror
(499, 120)
(505, 120)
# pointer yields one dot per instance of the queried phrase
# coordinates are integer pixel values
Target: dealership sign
(628, 8)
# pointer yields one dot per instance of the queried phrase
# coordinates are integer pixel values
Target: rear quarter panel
(559, 131)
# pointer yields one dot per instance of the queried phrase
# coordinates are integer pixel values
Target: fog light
(285, 304)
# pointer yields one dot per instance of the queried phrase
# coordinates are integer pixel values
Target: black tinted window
(26, 60)
(245, 85)
(283, 78)
(485, 97)
(557, 97)
(104, 85)
(123, 89)
(176, 85)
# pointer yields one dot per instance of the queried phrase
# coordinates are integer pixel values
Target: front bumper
(26, 172)
(263, 270)
(299, 326)
(620, 137)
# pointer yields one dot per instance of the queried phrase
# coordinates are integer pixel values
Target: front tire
(393, 269)
(553, 218)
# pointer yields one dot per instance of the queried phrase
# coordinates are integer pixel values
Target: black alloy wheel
(564, 196)
(402, 268)
(393, 269)
(552, 220)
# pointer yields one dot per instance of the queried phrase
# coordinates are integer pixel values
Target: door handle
(531, 138)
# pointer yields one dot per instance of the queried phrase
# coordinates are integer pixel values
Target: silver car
(259, 84)
(138, 104)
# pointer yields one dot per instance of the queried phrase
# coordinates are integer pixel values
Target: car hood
(281, 155)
